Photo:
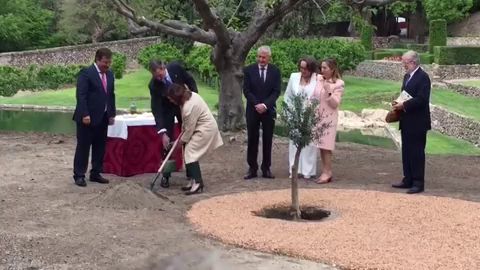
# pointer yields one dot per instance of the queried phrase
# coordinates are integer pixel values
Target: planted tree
(301, 117)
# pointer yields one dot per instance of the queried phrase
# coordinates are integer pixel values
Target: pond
(61, 123)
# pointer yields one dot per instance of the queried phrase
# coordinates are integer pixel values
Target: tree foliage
(449, 10)
(24, 24)
(91, 21)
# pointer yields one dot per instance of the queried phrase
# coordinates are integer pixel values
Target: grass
(132, 88)
(455, 102)
(439, 144)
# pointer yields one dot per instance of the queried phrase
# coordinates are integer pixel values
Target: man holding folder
(414, 110)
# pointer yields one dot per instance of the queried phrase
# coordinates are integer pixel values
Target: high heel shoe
(194, 190)
(189, 186)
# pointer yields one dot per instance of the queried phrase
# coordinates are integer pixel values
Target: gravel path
(367, 229)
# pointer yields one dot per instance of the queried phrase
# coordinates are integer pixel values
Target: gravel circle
(367, 229)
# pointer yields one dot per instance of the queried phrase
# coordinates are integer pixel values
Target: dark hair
(103, 52)
(332, 64)
(155, 64)
(177, 92)
(312, 65)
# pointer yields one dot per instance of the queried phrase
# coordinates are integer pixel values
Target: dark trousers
(267, 121)
(193, 170)
(413, 157)
(94, 137)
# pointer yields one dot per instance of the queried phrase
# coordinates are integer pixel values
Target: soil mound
(130, 195)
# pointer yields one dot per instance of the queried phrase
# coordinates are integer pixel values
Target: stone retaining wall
(465, 90)
(391, 70)
(463, 41)
(81, 54)
(455, 125)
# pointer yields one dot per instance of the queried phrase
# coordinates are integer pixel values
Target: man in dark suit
(95, 110)
(414, 123)
(163, 110)
(261, 87)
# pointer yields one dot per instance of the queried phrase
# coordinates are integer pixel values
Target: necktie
(104, 82)
(262, 74)
(407, 78)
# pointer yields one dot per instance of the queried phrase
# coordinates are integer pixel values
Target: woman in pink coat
(328, 91)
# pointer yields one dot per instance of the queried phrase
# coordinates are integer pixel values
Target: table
(134, 147)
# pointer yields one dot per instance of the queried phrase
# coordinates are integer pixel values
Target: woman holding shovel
(200, 132)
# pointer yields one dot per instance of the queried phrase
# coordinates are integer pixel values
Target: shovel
(167, 165)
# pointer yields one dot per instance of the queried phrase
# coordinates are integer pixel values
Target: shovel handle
(170, 152)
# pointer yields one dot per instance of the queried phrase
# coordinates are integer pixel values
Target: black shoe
(415, 190)
(165, 182)
(199, 189)
(80, 181)
(99, 179)
(250, 174)
(401, 185)
(268, 174)
(188, 186)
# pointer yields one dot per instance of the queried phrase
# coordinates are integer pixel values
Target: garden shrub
(162, 51)
(456, 55)
(438, 34)
(119, 64)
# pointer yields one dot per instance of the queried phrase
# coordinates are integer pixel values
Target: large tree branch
(213, 22)
(171, 27)
(264, 17)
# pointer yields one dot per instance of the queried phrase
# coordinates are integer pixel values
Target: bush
(388, 53)
(53, 76)
(458, 55)
(33, 77)
(199, 60)
(163, 51)
(11, 80)
(366, 36)
(438, 34)
(426, 58)
(420, 48)
(119, 64)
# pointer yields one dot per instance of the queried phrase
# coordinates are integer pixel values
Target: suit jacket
(162, 109)
(91, 97)
(256, 91)
(416, 114)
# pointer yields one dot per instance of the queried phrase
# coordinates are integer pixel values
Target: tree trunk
(231, 115)
(295, 201)
(417, 24)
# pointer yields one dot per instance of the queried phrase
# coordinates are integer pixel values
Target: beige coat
(200, 130)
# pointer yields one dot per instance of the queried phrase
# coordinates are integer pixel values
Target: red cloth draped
(141, 153)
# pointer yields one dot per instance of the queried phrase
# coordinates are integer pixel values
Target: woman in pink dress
(328, 91)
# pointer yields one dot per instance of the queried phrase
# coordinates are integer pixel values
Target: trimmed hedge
(366, 37)
(381, 54)
(163, 51)
(438, 34)
(426, 58)
(420, 48)
(456, 55)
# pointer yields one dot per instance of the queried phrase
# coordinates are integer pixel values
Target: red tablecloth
(140, 153)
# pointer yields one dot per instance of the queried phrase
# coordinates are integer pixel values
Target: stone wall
(455, 125)
(463, 89)
(81, 54)
(391, 70)
(463, 41)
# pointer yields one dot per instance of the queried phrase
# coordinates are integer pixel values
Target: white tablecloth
(120, 128)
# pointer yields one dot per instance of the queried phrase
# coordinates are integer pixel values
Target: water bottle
(133, 108)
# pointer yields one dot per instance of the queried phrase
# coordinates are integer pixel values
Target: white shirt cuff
(163, 130)
(265, 106)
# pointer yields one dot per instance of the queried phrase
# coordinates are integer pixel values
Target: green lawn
(439, 144)
(455, 102)
(474, 83)
(132, 88)
(363, 93)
